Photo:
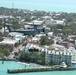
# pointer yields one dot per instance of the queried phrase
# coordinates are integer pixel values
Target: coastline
(26, 63)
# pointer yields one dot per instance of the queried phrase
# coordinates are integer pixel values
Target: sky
(45, 1)
(57, 5)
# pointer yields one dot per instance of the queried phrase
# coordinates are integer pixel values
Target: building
(58, 22)
(56, 57)
(37, 22)
(8, 41)
(47, 20)
(57, 54)
(73, 53)
(50, 34)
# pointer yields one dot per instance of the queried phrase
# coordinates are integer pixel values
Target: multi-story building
(57, 57)
(73, 54)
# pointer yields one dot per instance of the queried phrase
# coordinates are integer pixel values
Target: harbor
(32, 67)
(13, 65)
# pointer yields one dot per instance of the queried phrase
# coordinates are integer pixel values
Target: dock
(28, 70)
(38, 69)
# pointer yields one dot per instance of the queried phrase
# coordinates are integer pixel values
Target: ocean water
(16, 65)
(46, 5)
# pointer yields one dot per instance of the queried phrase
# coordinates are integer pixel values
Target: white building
(58, 22)
(56, 57)
(58, 54)
(50, 34)
(3, 16)
(47, 20)
(8, 41)
(37, 22)
(73, 53)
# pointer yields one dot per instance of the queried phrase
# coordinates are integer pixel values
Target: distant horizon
(41, 5)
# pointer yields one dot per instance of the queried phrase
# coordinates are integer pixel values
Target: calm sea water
(14, 65)
(47, 5)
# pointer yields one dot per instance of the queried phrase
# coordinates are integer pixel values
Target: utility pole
(12, 12)
(4, 28)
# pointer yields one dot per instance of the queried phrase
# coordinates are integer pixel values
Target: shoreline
(26, 63)
(31, 64)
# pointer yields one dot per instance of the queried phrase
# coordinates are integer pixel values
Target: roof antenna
(12, 8)
(12, 5)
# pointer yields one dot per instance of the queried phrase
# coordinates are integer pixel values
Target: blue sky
(45, 1)
(53, 5)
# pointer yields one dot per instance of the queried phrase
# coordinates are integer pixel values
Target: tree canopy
(46, 41)
(34, 57)
(5, 50)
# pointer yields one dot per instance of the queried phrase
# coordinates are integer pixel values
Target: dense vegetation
(46, 41)
(22, 15)
(18, 16)
(64, 31)
(34, 57)
(5, 50)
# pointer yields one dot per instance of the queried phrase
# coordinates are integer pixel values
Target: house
(50, 34)
(37, 22)
(35, 40)
(8, 41)
(58, 22)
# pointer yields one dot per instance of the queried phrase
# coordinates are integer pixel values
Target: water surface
(16, 65)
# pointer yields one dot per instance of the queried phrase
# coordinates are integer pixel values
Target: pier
(28, 70)
(38, 69)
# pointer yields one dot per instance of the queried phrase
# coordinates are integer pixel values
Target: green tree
(25, 57)
(34, 57)
(5, 50)
(45, 41)
(42, 59)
